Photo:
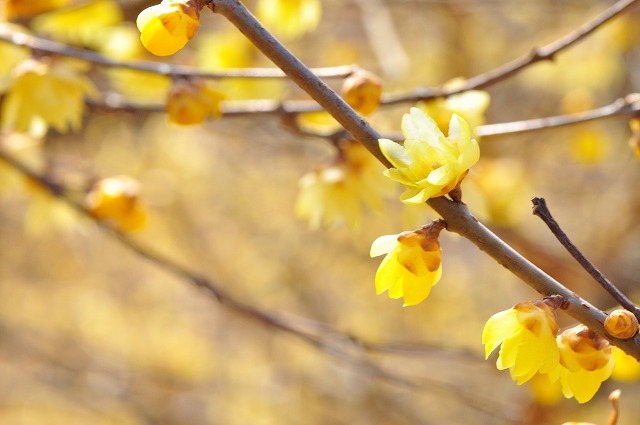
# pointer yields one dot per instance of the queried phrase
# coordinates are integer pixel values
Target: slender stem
(629, 105)
(509, 69)
(541, 210)
(360, 129)
(45, 45)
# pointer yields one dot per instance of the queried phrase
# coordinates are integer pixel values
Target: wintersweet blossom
(585, 362)
(412, 265)
(192, 101)
(46, 93)
(167, 27)
(336, 192)
(470, 105)
(429, 164)
(289, 18)
(117, 199)
(527, 335)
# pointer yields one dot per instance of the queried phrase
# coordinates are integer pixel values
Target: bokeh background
(91, 332)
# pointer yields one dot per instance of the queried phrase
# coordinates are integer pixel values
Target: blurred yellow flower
(167, 27)
(45, 93)
(362, 90)
(470, 105)
(585, 362)
(25, 9)
(289, 18)
(634, 140)
(430, 165)
(527, 335)
(11, 56)
(626, 368)
(335, 193)
(117, 199)
(412, 265)
(190, 102)
(81, 25)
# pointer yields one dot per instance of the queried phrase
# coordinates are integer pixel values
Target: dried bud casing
(362, 91)
(621, 324)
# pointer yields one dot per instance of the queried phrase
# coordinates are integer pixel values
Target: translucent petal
(383, 245)
(395, 153)
(417, 196)
(418, 125)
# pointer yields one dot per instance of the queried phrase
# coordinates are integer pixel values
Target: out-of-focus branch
(42, 44)
(509, 69)
(456, 214)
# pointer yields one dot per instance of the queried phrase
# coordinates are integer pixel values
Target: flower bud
(621, 324)
(190, 102)
(362, 91)
(117, 199)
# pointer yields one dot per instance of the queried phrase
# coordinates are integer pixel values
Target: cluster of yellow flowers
(578, 358)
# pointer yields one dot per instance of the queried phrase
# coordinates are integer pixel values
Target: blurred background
(91, 332)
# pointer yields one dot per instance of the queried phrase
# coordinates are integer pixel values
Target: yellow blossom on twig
(190, 102)
(335, 193)
(429, 164)
(117, 199)
(167, 27)
(470, 105)
(46, 93)
(585, 362)
(527, 335)
(412, 265)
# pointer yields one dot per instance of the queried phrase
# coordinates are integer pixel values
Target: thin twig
(626, 106)
(541, 210)
(509, 69)
(38, 43)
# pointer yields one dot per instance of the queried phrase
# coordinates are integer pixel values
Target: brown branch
(626, 106)
(509, 69)
(541, 210)
(42, 44)
(456, 214)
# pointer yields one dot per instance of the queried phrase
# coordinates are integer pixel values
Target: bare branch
(38, 43)
(509, 69)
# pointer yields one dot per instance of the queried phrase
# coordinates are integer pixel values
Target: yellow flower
(289, 18)
(429, 165)
(412, 265)
(527, 333)
(46, 93)
(336, 192)
(621, 323)
(328, 195)
(470, 105)
(83, 24)
(626, 367)
(362, 90)
(585, 362)
(166, 27)
(25, 9)
(191, 102)
(117, 199)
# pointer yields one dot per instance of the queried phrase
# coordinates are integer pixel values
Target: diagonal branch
(457, 215)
